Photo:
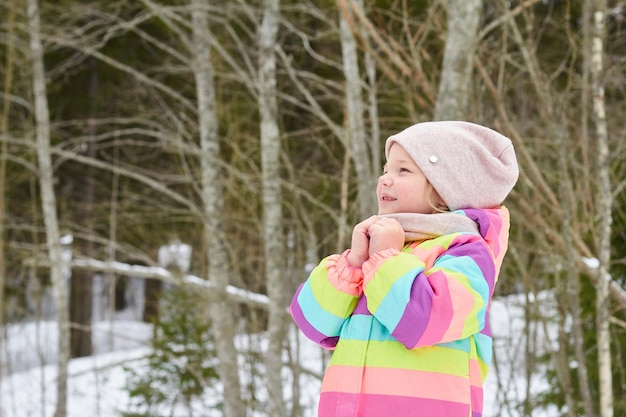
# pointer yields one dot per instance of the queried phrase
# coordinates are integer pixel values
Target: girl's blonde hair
(435, 201)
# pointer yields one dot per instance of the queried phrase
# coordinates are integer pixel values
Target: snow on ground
(96, 383)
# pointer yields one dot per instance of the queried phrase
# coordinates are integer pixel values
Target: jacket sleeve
(444, 303)
(326, 299)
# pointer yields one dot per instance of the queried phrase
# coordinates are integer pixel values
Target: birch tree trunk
(212, 196)
(605, 201)
(570, 203)
(456, 70)
(372, 107)
(272, 200)
(355, 133)
(48, 203)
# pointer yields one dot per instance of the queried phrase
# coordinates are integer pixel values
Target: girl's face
(403, 188)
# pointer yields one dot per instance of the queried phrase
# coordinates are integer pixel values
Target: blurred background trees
(253, 131)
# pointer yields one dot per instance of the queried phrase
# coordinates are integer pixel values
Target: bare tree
(356, 136)
(7, 84)
(81, 285)
(4, 129)
(605, 199)
(458, 58)
(272, 200)
(212, 199)
(48, 203)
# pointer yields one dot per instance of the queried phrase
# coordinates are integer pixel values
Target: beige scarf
(427, 226)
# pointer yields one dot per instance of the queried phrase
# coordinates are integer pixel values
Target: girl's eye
(404, 170)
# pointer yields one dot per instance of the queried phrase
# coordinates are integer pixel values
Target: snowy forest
(176, 167)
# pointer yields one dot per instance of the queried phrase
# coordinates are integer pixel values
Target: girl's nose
(384, 179)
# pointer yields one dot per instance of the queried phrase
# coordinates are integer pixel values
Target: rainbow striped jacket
(410, 329)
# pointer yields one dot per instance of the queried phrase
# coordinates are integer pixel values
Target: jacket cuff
(346, 278)
(373, 263)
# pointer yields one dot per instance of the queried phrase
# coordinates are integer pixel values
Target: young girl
(406, 308)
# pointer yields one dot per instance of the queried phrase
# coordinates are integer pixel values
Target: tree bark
(355, 124)
(48, 205)
(4, 152)
(81, 282)
(568, 295)
(373, 138)
(212, 197)
(570, 200)
(4, 129)
(456, 70)
(274, 248)
(605, 201)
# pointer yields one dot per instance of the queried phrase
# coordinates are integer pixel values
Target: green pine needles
(179, 375)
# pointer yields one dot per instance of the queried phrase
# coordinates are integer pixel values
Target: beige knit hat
(469, 165)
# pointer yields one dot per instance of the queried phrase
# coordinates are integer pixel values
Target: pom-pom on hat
(469, 165)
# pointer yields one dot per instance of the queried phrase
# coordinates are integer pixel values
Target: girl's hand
(385, 233)
(359, 251)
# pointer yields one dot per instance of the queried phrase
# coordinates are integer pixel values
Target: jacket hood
(493, 226)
